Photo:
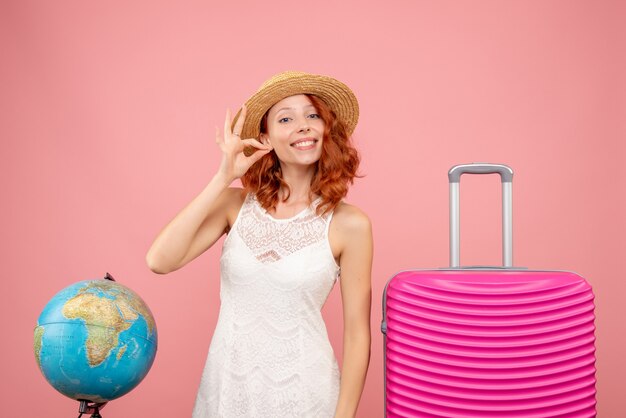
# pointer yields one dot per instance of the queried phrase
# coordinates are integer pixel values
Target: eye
(314, 116)
(283, 120)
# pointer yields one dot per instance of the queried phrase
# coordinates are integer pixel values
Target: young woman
(290, 238)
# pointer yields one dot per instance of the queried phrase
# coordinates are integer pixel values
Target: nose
(304, 125)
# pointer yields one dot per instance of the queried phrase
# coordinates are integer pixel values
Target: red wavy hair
(334, 171)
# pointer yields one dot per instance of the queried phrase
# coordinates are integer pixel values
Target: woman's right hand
(235, 163)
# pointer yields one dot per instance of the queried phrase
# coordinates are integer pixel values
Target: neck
(299, 180)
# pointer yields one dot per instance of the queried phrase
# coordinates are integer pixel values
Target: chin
(303, 159)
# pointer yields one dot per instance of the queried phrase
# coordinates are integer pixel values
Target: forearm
(173, 242)
(356, 357)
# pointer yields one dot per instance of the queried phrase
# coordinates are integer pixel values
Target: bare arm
(194, 229)
(353, 232)
(199, 225)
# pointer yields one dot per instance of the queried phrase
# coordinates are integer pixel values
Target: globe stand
(87, 407)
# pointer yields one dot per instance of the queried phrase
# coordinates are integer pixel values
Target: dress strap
(328, 217)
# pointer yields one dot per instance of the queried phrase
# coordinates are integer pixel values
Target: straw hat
(334, 93)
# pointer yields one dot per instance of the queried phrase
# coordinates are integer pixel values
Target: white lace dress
(270, 356)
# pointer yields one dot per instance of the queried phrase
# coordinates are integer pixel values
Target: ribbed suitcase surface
(483, 343)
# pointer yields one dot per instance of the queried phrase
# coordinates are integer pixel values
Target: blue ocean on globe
(95, 340)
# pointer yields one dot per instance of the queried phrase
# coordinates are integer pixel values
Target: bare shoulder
(350, 237)
(350, 226)
(234, 195)
(232, 199)
(351, 219)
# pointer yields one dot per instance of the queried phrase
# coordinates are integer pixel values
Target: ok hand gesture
(235, 162)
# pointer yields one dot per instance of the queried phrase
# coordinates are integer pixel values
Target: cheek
(278, 130)
(279, 139)
(319, 124)
(280, 144)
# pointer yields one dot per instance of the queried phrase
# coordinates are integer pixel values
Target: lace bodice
(271, 239)
(270, 355)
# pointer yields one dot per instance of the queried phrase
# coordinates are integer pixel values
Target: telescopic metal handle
(506, 176)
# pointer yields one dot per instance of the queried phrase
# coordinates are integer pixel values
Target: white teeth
(304, 144)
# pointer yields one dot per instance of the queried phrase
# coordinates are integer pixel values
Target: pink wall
(107, 115)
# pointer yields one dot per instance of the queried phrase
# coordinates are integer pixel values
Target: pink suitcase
(486, 342)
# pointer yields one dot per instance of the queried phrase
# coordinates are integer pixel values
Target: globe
(95, 340)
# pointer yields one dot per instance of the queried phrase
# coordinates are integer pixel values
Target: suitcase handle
(506, 176)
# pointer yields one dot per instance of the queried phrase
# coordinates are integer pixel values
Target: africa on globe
(95, 340)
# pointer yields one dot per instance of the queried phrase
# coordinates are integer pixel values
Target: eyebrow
(291, 108)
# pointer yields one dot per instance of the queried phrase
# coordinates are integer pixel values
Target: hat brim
(333, 92)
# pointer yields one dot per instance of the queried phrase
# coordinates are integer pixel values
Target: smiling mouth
(304, 143)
